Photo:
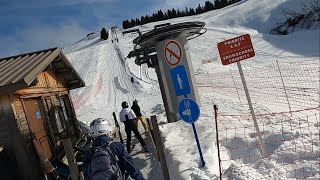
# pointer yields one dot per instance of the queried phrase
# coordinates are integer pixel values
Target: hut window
(67, 113)
(48, 102)
(64, 107)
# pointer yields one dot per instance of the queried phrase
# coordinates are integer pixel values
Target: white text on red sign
(236, 49)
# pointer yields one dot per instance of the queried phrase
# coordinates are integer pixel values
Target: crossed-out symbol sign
(173, 52)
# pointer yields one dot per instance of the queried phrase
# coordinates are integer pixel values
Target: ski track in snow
(100, 63)
(107, 87)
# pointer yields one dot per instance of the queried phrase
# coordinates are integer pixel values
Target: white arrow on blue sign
(189, 110)
(180, 80)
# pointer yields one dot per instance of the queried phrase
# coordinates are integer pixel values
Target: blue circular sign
(189, 110)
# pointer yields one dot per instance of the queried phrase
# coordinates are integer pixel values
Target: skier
(136, 109)
(129, 125)
(107, 159)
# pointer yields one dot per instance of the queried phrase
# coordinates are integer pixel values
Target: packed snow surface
(292, 140)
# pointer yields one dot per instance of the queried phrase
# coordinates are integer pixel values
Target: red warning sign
(173, 53)
(236, 49)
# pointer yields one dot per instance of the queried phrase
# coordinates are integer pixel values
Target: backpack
(103, 165)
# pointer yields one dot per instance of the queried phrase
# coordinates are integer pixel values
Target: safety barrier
(289, 93)
(293, 85)
(292, 141)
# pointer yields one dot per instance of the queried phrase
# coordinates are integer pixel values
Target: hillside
(290, 139)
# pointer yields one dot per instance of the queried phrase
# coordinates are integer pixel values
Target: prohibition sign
(173, 52)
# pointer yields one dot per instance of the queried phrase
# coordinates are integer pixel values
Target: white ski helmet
(100, 126)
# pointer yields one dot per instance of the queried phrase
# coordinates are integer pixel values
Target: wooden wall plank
(54, 80)
(16, 144)
(42, 82)
(21, 118)
(49, 78)
(55, 101)
(24, 129)
(41, 91)
(4, 129)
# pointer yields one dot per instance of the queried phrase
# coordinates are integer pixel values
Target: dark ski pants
(129, 126)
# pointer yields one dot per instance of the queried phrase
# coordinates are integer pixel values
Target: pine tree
(170, 14)
(174, 13)
(132, 23)
(124, 24)
(147, 18)
(154, 17)
(183, 13)
(138, 22)
(166, 16)
(179, 14)
(160, 15)
(143, 20)
(217, 4)
(224, 3)
(186, 11)
(192, 12)
(199, 9)
(208, 6)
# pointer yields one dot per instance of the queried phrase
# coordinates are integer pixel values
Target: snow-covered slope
(107, 78)
(107, 73)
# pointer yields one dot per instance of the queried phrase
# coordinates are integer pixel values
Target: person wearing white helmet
(100, 127)
(128, 117)
(115, 153)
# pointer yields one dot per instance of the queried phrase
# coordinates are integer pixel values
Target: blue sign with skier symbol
(180, 80)
(189, 110)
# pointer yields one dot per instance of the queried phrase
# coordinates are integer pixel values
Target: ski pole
(215, 107)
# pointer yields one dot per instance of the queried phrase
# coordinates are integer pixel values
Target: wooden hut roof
(20, 71)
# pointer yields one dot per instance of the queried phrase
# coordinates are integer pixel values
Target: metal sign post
(174, 69)
(170, 117)
(163, 48)
(189, 112)
(176, 72)
(202, 162)
(235, 50)
(178, 75)
(262, 145)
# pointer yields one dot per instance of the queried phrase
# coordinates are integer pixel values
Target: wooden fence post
(74, 171)
(117, 125)
(152, 138)
(159, 147)
(150, 128)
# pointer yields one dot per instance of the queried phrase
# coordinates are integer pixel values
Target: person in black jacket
(136, 109)
(101, 131)
(127, 116)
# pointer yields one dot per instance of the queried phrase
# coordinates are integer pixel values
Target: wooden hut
(30, 84)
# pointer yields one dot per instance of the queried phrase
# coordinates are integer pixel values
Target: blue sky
(29, 25)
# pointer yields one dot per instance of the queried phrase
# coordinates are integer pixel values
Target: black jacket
(136, 109)
(125, 160)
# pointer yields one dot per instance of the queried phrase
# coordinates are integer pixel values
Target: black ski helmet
(124, 104)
